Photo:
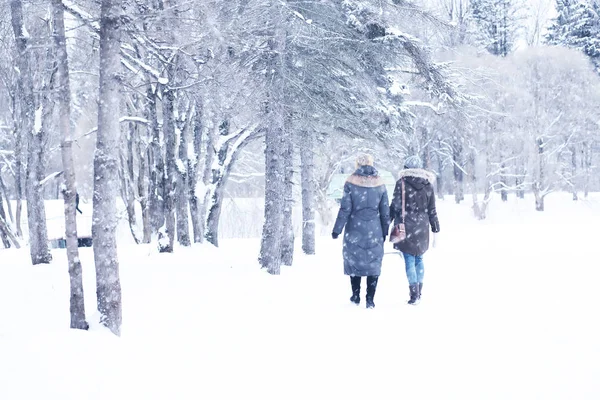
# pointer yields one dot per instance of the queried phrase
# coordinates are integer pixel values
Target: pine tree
(498, 24)
(577, 26)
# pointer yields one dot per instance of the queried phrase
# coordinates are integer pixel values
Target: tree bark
(7, 198)
(127, 180)
(36, 171)
(36, 213)
(587, 165)
(503, 191)
(287, 243)
(228, 155)
(459, 194)
(156, 192)
(77, 305)
(171, 175)
(3, 231)
(276, 142)
(193, 167)
(574, 173)
(538, 186)
(108, 286)
(183, 228)
(307, 177)
(25, 100)
(143, 190)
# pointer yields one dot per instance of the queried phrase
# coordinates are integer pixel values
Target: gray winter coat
(365, 214)
(420, 210)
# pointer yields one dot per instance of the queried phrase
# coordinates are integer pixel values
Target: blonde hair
(364, 159)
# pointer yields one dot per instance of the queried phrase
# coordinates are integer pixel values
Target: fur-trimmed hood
(417, 173)
(365, 181)
(366, 176)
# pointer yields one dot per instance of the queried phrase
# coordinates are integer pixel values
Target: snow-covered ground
(510, 311)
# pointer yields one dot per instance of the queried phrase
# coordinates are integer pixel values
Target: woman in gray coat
(420, 215)
(365, 215)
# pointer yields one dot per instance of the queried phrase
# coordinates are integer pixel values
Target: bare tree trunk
(5, 193)
(36, 215)
(503, 191)
(77, 305)
(270, 252)
(36, 170)
(276, 141)
(520, 178)
(108, 286)
(440, 173)
(3, 230)
(208, 175)
(574, 173)
(587, 164)
(19, 179)
(9, 234)
(143, 188)
(307, 172)
(287, 242)
(183, 229)
(18, 130)
(171, 175)
(156, 193)
(193, 167)
(425, 142)
(228, 155)
(127, 181)
(477, 211)
(538, 186)
(459, 194)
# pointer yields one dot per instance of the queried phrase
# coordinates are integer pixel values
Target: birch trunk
(77, 305)
(307, 177)
(108, 286)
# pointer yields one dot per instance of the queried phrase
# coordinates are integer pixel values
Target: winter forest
(192, 127)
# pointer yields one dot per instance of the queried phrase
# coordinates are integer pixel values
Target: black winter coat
(420, 210)
(365, 214)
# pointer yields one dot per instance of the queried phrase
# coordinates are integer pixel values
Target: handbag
(399, 232)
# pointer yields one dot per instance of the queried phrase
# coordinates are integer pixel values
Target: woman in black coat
(420, 215)
(365, 217)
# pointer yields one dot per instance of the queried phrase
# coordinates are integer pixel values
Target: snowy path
(509, 311)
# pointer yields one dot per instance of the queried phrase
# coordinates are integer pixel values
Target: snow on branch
(50, 177)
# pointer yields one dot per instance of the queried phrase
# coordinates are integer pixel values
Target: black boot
(355, 282)
(371, 287)
(420, 289)
(414, 293)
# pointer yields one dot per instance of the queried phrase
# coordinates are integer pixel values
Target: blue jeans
(414, 268)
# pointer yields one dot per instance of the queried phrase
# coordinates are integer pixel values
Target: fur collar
(417, 173)
(365, 181)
